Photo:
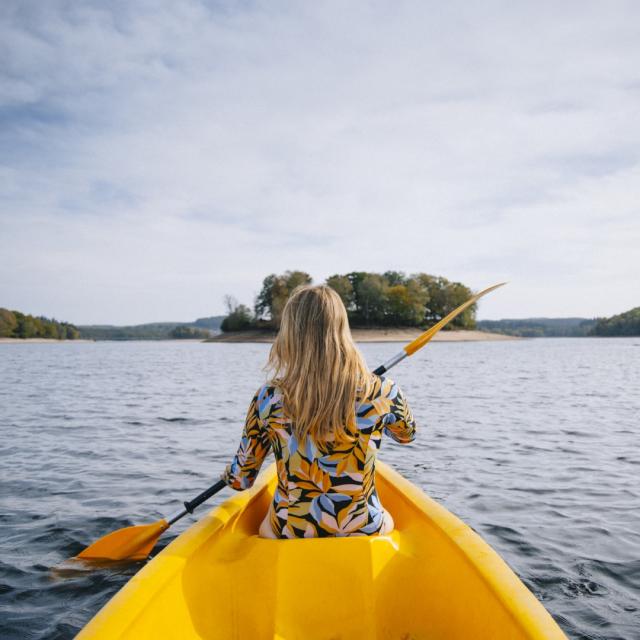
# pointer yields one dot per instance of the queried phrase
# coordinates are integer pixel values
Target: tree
(434, 287)
(343, 287)
(264, 299)
(8, 323)
(457, 294)
(71, 333)
(230, 302)
(443, 297)
(274, 295)
(372, 298)
(406, 304)
(26, 327)
(394, 278)
(50, 330)
(239, 319)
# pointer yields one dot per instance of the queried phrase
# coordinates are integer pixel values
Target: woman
(323, 414)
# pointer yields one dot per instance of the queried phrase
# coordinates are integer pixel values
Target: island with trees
(373, 301)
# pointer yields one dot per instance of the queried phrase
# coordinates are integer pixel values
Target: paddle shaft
(191, 505)
(383, 368)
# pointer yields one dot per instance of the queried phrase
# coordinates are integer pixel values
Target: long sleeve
(399, 422)
(254, 447)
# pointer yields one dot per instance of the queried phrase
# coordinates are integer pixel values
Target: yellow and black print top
(325, 490)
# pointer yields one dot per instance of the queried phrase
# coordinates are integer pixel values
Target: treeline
(540, 327)
(384, 299)
(14, 324)
(189, 333)
(201, 328)
(623, 324)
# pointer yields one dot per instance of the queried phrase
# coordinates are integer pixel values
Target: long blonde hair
(316, 365)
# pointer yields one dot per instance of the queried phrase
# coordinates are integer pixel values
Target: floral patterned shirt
(323, 490)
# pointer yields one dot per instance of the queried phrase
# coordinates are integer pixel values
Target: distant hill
(153, 330)
(212, 322)
(540, 327)
(624, 324)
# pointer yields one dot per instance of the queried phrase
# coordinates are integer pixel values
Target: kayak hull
(431, 578)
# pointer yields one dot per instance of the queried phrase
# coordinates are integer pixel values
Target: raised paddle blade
(423, 338)
(130, 543)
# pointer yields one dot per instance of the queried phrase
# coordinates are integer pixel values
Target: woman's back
(324, 489)
(323, 416)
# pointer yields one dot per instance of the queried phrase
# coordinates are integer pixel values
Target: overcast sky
(157, 155)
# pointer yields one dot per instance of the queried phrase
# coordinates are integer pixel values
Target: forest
(14, 324)
(540, 327)
(389, 299)
(623, 324)
(201, 328)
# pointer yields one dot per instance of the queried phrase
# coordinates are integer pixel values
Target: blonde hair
(317, 366)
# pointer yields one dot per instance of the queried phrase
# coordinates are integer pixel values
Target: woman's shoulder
(268, 390)
(382, 387)
(268, 397)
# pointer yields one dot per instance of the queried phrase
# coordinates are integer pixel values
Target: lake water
(534, 443)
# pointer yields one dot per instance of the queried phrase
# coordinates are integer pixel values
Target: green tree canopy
(343, 287)
(623, 324)
(371, 299)
(189, 333)
(443, 297)
(14, 324)
(371, 296)
(239, 319)
(274, 294)
(8, 323)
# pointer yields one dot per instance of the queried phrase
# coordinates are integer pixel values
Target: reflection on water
(532, 443)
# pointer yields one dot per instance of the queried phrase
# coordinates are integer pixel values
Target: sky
(157, 155)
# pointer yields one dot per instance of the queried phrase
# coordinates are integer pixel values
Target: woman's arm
(399, 423)
(254, 447)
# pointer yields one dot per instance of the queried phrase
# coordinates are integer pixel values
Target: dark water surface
(534, 443)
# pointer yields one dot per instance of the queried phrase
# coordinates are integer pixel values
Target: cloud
(154, 156)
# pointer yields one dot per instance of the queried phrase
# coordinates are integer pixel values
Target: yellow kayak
(431, 578)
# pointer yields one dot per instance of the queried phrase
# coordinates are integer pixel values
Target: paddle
(423, 338)
(136, 543)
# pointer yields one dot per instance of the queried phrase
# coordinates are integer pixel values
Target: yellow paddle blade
(130, 543)
(423, 338)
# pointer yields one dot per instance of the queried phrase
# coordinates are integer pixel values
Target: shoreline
(267, 337)
(373, 335)
(39, 340)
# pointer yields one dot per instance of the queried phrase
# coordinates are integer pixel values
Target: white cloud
(155, 156)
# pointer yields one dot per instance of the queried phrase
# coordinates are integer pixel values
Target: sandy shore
(36, 340)
(374, 335)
